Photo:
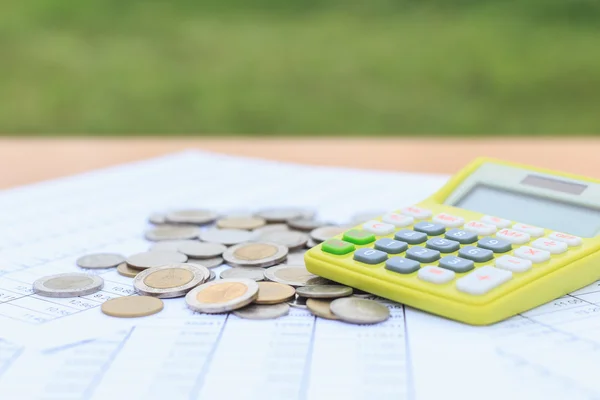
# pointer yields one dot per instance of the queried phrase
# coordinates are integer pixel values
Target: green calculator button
(338, 247)
(358, 236)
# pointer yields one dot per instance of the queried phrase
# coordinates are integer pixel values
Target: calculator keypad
(391, 246)
(398, 220)
(461, 236)
(497, 222)
(416, 212)
(536, 256)
(378, 228)
(358, 236)
(422, 254)
(515, 237)
(552, 246)
(430, 228)
(476, 254)
(532, 231)
(456, 264)
(480, 228)
(513, 264)
(402, 265)
(338, 247)
(370, 256)
(410, 237)
(482, 280)
(436, 274)
(496, 245)
(443, 245)
(570, 240)
(449, 221)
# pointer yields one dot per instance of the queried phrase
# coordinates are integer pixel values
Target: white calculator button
(378, 228)
(482, 280)
(449, 221)
(514, 264)
(480, 228)
(565, 237)
(416, 212)
(534, 255)
(435, 274)
(553, 246)
(398, 220)
(533, 231)
(497, 222)
(515, 237)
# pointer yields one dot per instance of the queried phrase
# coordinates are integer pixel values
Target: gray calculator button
(476, 254)
(430, 228)
(391, 246)
(496, 245)
(370, 256)
(461, 236)
(402, 265)
(422, 254)
(456, 264)
(410, 237)
(443, 245)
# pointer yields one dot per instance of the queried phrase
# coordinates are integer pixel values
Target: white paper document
(67, 349)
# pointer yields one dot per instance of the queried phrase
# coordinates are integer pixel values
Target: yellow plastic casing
(546, 281)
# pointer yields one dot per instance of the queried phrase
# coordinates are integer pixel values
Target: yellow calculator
(498, 239)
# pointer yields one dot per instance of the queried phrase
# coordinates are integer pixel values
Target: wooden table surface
(25, 161)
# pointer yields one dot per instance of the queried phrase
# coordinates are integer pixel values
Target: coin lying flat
(359, 311)
(151, 259)
(171, 245)
(206, 262)
(326, 232)
(222, 295)
(263, 311)
(239, 222)
(68, 285)
(295, 258)
(280, 214)
(157, 218)
(255, 254)
(201, 250)
(172, 233)
(293, 275)
(169, 281)
(298, 302)
(270, 228)
(212, 276)
(100, 260)
(305, 224)
(194, 217)
(320, 308)
(127, 271)
(324, 291)
(293, 240)
(227, 237)
(254, 273)
(132, 306)
(274, 293)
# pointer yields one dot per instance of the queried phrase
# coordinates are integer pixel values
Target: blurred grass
(300, 67)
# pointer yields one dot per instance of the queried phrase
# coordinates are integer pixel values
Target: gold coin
(320, 308)
(132, 306)
(222, 292)
(127, 271)
(169, 278)
(274, 293)
(255, 251)
(240, 223)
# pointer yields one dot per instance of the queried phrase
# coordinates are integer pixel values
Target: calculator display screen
(533, 210)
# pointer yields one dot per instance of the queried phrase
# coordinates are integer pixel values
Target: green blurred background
(281, 67)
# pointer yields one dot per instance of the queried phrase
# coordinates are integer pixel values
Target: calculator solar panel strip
(498, 239)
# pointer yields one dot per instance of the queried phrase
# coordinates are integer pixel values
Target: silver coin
(255, 254)
(263, 311)
(206, 262)
(326, 232)
(169, 232)
(222, 295)
(311, 243)
(298, 302)
(271, 228)
(151, 259)
(157, 218)
(306, 224)
(193, 217)
(293, 275)
(293, 240)
(366, 216)
(173, 280)
(254, 273)
(170, 245)
(100, 260)
(295, 258)
(227, 237)
(201, 250)
(324, 291)
(70, 284)
(212, 276)
(359, 311)
(280, 214)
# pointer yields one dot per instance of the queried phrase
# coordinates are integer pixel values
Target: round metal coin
(172, 233)
(100, 260)
(151, 259)
(169, 281)
(298, 302)
(295, 258)
(324, 291)
(255, 254)
(127, 271)
(293, 275)
(293, 240)
(263, 311)
(326, 232)
(194, 217)
(212, 276)
(274, 293)
(270, 228)
(157, 218)
(320, 308)
(201, 250)
(225, 236)
(305, 224)
(280, 214)
(241, 223)
(68, 285)
(359, 311)
(132, 306)
(254, 273)
(207, 262)
(222, 295)
(171, 245)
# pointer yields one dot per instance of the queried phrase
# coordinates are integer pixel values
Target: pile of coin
(266, 275)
